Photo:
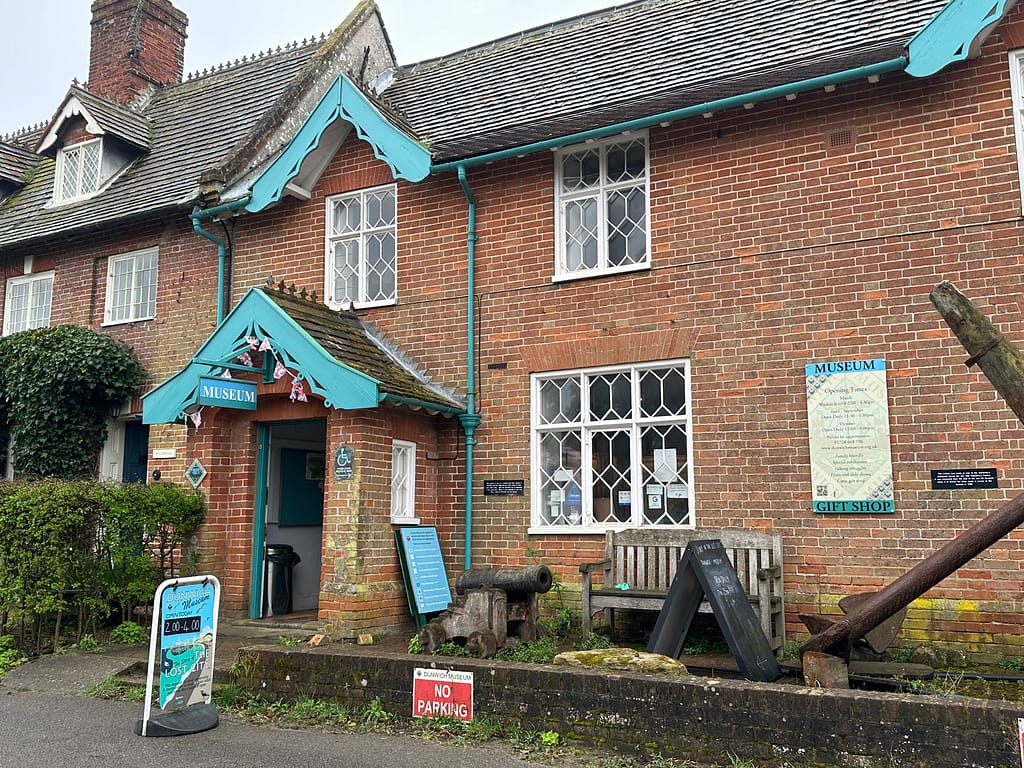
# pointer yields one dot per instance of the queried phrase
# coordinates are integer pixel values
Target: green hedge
(85, 549)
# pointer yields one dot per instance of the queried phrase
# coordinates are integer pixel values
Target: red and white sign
(442, 693)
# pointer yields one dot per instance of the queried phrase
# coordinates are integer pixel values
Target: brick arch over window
(611, 349)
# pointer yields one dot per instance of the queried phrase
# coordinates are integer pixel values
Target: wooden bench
(646, 560)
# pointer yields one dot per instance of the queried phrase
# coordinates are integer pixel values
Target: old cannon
(492, 606)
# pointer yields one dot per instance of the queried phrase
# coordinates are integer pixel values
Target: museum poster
(848, 425)
(186, 650)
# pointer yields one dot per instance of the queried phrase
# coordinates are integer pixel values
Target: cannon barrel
(515, 581)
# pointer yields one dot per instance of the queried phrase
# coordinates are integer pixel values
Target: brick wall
(686, 717)
(772, 248)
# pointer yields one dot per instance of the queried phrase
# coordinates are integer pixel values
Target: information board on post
(423, 570)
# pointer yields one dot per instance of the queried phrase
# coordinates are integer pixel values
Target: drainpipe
(470, 420)
(222, 248)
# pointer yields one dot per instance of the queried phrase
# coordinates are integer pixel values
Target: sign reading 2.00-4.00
(182, 625)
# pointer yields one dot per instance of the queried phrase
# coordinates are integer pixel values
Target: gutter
(413, 402)
(223, 252)
(707, 108)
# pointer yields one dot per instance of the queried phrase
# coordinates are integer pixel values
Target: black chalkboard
(705, 571)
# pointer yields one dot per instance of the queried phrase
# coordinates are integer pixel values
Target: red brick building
(608, 271)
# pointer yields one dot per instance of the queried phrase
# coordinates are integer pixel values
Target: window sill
(108, 323)
(596, 273)
(405, 521)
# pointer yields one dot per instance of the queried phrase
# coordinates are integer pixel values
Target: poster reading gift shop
(848, 425)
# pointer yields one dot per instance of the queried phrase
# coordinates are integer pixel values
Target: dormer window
(78, 171)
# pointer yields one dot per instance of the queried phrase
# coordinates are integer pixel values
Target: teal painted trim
(257, 315)
(407, 158)
(259, 521)
(222, 248)
(414, 403)
(954, 34)
(765, 94)
(471, 419)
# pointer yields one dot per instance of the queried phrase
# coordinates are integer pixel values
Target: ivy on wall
(57, 387)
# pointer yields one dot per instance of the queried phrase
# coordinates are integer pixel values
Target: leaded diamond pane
(347, 216)
(90, 168)
(626, 161)
(580, 170)
(380, 209)
(581, 248)
(664, 475)
(662, 392)
(611, 397)
(346, 270)
(610, 458)
(380, 266)
(627, 237)
(560, 479)
(71, 168)
(560, 401)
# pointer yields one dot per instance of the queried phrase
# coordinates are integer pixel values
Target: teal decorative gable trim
(954, 34)
(257, 316)
(406, 158)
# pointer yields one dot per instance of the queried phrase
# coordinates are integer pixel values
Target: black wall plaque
(504, 487)
(963, 479)
(705, 571)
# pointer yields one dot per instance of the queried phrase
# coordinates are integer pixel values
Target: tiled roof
(114, 119)
(15, 162)
(344, 336)
(194, 126)
(637, 60)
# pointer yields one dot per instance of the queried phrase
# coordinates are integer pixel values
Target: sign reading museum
(227, 393)
(848, 425)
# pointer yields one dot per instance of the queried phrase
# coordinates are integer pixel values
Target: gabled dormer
(16, 165)
(92, 140)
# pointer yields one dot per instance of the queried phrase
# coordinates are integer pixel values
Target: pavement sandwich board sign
(185, 632)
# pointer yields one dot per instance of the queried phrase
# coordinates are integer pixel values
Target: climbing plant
(58, 386)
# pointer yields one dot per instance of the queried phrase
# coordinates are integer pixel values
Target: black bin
(277, 586)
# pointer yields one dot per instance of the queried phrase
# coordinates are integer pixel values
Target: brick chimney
(135, 45)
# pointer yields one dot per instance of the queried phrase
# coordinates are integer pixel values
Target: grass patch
(116, 689)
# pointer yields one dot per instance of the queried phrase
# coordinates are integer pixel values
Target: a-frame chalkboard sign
(706, 572)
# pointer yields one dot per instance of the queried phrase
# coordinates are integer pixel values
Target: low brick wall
(686, 717)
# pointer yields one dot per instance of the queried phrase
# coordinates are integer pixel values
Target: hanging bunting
(265, 346)
(196, 418)
(279, 370)
(245, 359)
(252, 341)
(298, 392)
(226, 374)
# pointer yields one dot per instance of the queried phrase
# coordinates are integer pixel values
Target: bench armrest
(603, 565)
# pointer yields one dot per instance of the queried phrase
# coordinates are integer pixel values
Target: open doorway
(293, 530)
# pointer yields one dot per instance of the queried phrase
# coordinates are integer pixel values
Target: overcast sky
(46, 42)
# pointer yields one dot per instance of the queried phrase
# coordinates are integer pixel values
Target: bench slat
(647, 558)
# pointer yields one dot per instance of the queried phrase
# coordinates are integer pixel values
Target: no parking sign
(442, 693)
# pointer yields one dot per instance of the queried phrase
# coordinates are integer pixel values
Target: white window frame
(403, 482)
(549, 497)
(599, 192)
(135, 310)
(1016, 63)
(82, 186)
(359, 237)
(28, 324)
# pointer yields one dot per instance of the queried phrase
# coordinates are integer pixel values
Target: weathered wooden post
(1003, 364)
